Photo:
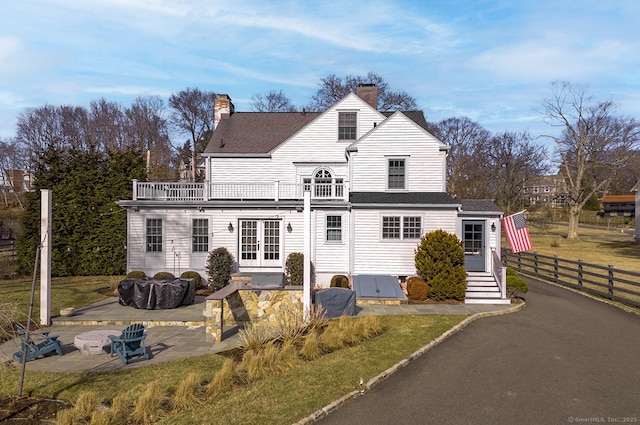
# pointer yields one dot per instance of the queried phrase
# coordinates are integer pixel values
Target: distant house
(352, 187)
(186, 173)
(619, 205)
(17, 181)
(546, 190)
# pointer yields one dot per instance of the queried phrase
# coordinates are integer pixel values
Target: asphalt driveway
(563, 359)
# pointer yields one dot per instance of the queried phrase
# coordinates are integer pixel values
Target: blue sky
(492, 61)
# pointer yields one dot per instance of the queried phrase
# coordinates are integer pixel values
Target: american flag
(515, 228)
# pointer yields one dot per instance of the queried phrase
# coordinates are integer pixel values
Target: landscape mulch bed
(28, 410)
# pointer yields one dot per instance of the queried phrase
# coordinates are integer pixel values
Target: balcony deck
(276, 191)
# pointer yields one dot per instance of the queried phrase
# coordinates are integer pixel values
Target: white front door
(260, 243)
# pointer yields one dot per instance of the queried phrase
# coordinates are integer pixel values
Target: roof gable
(413, 118)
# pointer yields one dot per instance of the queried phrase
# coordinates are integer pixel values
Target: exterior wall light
(230, 227)
(493, 227)
(289, 228)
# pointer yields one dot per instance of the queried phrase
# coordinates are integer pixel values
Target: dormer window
(347, 125)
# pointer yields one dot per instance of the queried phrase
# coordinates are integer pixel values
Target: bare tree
(513, 161)
(466, 167)
(593, 145)
(148, 131)
(333, 88)
(273, 101)
(193, 114)
(108, 125)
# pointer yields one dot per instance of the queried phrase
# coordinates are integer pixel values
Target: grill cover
(336, 302)
(157, 294)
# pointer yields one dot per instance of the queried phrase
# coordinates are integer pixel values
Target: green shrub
(515, 284)
(339, 281)
(163, 275)
(193, 275)
(136, 274)
(417, 289)
(439, 260)
(294, 269)
(218, 267)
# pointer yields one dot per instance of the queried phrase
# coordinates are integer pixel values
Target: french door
(260, 243)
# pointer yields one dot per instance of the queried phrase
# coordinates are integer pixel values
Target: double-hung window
(154, 234)
(396, 173)
(401, 227)
(334, 228)
(347, 125)
(200, 235)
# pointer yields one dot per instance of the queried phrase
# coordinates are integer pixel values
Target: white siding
(402, 138)
(395, 257)
(331, 257)
(314, 146)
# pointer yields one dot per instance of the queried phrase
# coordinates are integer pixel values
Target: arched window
(322, 181)
(324, 185)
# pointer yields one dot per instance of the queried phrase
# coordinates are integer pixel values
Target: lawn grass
(594, 245)
(65, 292)
(281, 399)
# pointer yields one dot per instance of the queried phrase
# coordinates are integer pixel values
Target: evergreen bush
(417, 289)
(136, 274)
(193, 275)
(439, 260)
(218, 267)
(163, 275)
(515, 284)
(294, 269)
(339, 281)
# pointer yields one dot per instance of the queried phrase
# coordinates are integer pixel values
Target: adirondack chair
(38, 344)
(130, 344)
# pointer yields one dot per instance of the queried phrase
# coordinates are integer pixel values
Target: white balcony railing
(167, 191)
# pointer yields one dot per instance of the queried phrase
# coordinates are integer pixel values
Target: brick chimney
(368, 93)
(223, 108)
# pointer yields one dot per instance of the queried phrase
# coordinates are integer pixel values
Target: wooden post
(45, 266)
(306, 291)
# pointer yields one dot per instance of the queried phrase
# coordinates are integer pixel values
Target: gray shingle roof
(479, 205)
(414, 198)
(256, 132)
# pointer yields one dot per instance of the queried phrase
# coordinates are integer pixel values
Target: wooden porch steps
(483, 289)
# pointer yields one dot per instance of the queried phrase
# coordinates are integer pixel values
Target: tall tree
(593, 145)
(467, 175)
(193, 114)
(513, 161)
(273, 101)
(333, 88)
(148, 132)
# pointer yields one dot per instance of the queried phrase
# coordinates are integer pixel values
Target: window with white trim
(411, 227)
(396, 173)
(401, 227)
(200, 235)
(390, 227)
(334, 228)
(347, 125)
(153, 231)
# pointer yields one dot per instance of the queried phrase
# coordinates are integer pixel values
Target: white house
(376, 183)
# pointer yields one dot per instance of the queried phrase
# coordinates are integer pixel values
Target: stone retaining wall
(239, 304)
